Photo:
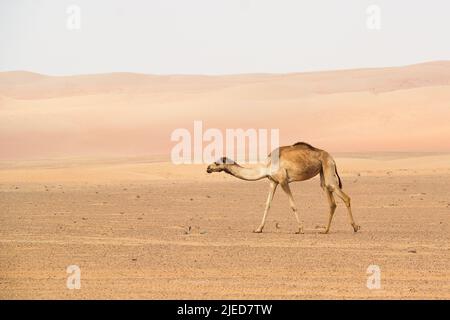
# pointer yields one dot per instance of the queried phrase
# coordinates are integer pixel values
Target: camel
(298, 162)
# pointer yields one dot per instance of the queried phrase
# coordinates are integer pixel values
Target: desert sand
(85, 179)
(144, 229)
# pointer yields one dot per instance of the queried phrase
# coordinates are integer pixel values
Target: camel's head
(219, 165)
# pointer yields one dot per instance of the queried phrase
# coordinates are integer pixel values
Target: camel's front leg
(287, 189)
(273, 187)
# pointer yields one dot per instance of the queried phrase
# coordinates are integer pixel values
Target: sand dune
(28, 85)
(123, 114)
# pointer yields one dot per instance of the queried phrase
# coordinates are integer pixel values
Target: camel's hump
(304, 144)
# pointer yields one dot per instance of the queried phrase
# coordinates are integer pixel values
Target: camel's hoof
(356, 228)
(257, 231)
(300, 231)
(324, 232)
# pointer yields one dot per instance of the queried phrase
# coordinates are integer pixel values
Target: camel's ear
(226, 160)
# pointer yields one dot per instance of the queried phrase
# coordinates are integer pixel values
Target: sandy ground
(152, 230)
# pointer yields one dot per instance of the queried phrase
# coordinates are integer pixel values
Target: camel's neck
(249, 174)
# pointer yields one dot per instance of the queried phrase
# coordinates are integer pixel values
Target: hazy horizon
(225, 74)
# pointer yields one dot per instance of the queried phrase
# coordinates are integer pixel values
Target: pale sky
(219, 36)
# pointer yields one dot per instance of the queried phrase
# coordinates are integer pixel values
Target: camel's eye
(225, 160)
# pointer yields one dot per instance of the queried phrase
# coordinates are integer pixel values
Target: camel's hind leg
(287, 189)
(332, 204)
(331, 182)
(341, 194)
(273, 188)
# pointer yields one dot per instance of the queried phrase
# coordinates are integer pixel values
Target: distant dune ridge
(124, 114)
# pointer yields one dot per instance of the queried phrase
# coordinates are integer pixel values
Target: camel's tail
(339, 178)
